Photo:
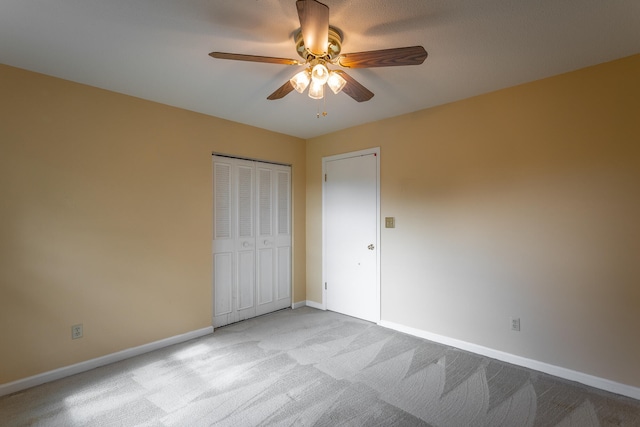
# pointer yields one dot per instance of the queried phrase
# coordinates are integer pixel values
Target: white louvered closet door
(252, 239)
(273, 238)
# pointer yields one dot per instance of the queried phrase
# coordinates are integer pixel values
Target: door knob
(371, 247)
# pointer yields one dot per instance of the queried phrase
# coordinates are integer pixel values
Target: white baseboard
(298, 304)
(314, 304)
(66, 371)
(568, 374)
(590, 380)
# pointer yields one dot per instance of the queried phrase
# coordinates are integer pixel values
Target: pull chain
(324, 108)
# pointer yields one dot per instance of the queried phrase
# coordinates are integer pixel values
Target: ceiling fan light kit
(335, 82)
(319, 44)
(300, 81)
(319, 72)
(318, 76)
(316, 90)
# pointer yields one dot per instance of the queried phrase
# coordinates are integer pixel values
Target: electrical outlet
(515, 324)
(76, 331)
(389, 222)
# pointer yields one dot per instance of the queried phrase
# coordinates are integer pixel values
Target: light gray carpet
(309, 367)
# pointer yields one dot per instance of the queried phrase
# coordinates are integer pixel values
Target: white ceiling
(158, 50)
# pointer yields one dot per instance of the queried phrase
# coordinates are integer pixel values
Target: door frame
(375, 151)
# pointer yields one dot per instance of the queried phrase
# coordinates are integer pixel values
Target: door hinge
(325, 177)
(325, 286)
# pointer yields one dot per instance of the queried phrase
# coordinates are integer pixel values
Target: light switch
(389, 222)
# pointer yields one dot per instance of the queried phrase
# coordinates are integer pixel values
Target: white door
(252, 239)
(273, 240)
(351, 218)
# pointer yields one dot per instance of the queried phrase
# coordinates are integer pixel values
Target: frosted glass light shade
(319, 73)
(316, 90)
(300, 81)
(336, 82)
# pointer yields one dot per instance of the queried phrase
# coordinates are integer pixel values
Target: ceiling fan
(319, 45)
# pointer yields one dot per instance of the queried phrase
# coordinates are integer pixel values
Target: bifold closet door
(252, 239)
(273, 243)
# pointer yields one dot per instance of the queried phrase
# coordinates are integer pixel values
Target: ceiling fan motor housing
(334, 46)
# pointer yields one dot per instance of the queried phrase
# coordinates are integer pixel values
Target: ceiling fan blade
(355, 89)
(314, 24)
(254, 58)
(414, 55)
(281, 92)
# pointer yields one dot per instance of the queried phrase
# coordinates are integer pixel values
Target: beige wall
(523, 202)
(105, 219)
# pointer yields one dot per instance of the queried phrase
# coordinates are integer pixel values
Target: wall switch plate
(76, 331)
(390, 222)
(515, 324)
